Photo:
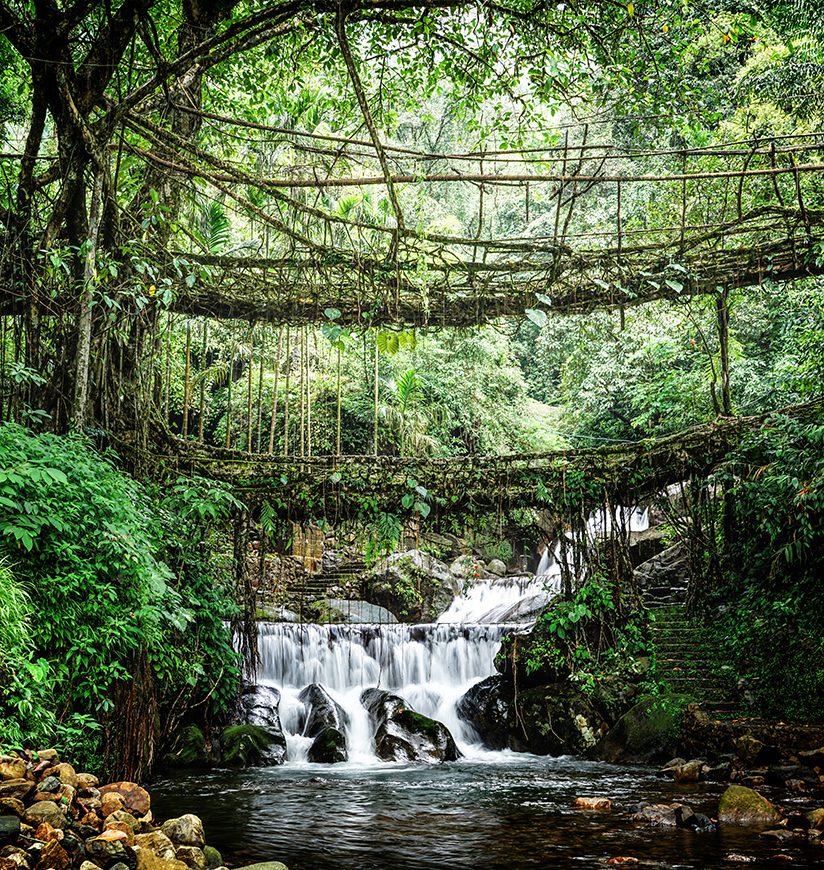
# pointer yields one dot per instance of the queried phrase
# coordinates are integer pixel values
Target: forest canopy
(403, 165)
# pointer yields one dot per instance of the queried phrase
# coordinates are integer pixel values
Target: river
(506, 811)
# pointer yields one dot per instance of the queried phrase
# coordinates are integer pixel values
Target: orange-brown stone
(135, 799)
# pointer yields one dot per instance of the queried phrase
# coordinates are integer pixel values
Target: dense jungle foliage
(103, 579)
(348, 148)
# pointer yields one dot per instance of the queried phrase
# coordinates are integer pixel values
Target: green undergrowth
(766, 605)
(110, 600)
(598, 634)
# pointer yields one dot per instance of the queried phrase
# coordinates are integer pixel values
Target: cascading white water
(430, 666)
(500, 599)
(599, 525)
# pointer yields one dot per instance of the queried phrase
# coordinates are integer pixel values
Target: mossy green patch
(244, 744)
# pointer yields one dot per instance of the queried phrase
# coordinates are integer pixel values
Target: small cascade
(430, 666)
(516, 599)
(599, 525)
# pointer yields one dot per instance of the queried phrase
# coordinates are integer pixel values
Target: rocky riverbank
(53, 817)
(738, 806)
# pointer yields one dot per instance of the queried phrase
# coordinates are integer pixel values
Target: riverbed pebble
(54, 817)
(599, 804)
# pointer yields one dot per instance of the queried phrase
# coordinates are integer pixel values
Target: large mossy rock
(555, 719)
(253, 746)
(558, 719)
(326, 722)
(401, 734)
(740, 805)
(648, 732)
(260, 708)
(414, 585)
(191, 750)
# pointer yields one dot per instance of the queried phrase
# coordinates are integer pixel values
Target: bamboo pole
(260, 401)
(203, 351)
(250, 394)
(288, 362)
(302, 396)
(168, 384)
(337, 440)
(187, 374)
(273, 420)
(375, 431)
(229, 403)
(723, 320)
(309, 336)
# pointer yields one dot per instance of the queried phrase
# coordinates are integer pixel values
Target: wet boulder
(326, 722)
(401, 734)
(253, 746)
(259, 706)
(186, 830)
(261, 742)
(486, 707)
(646, 733)
(740, 805)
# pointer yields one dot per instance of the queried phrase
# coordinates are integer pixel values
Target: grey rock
(401, 734)
(47, 811)
(486, 708)
(326, 722)
(496, 567)
(413, 585)
(50, 785)
(9, 829)
(260, 706)
(356, 612)
(666, 815)
(186, 830)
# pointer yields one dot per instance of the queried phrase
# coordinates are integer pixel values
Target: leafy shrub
(115, 579)
(592, 633)
(769, 596)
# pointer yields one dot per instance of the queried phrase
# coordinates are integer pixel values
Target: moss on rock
(648, 732)
(247, 745)
(740, 805)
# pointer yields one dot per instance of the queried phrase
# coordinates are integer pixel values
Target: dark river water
(507, 811)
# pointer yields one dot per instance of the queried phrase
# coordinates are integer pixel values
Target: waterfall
(501, 599)
(430, 666)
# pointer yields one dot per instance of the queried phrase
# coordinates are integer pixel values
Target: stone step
(680, 662)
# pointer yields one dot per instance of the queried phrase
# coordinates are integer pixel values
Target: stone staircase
(315, 586)
(686, 663)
